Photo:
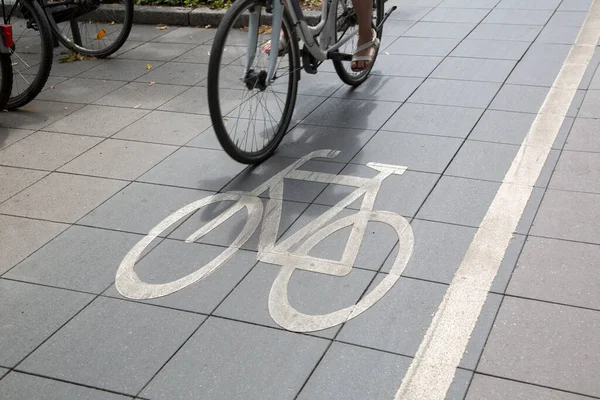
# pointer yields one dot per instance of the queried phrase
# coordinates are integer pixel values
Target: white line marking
(432, 371)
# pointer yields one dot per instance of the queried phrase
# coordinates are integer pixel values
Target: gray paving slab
(402, 194)
(65, 197)
(37, 114)
(16, 179)
(589, 108)
(123, 335)
(193, 100)
(31, 314)
(350, 113)
(583, 135)
(225, 359)
(23, 386)
(173, 259)
(502, 50)
(199, 55)
(424, 153)
(567, 18)
(144, 33)
(469, 3)
(493, 388)
(321, 84)
(46, 150)
(79, 90)
(158, 51)
(119, 159)
(413, 11)
(381, 88)
(439, 47)
(123, 70)
(575, 5)
(81, 258)
(460, 15)
(473, 160)
(309, 292)
(166, 128)
(540, 65)
(518, 17)
(446, 29)
(531, 209)
(473, 69)
(518, 98)
(140, 206)
(557, 271)
(519, 33)
(23, 236)
(508, 264)
(184, 34)
(3, 372)
(415, 66)
(459, 201)
(558, 34)
(568, 215)
(8, 136)
(455, 93)
(434, 120)
(411, 303)
(141, 95)
(94, 117)
(460, 384)
(529, 5)
(204, 169)
(176, 73)
(72, 69)
(545, 344)
(351, 372)
(577, 171)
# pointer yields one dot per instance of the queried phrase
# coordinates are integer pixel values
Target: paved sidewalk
(112, 147)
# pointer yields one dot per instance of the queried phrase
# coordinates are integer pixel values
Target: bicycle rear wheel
(95, 28)
(249, 116)
(6, 79)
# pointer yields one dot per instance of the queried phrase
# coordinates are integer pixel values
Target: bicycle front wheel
(250, 116)
(6, 79)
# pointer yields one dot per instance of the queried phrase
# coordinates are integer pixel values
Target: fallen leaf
(112, 23)
(15, 64)
(51, 87)
(148, 66)
(162, 27)
(386, 53)
(101, 33)
(67, 58)
(138, 106)
(151, 83)
(207, 27)
(264, 29)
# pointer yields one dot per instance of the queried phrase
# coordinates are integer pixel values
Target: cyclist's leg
(364, 12)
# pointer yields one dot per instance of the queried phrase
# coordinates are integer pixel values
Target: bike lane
(457, 134)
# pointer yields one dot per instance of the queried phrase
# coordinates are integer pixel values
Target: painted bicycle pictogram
(279, 253)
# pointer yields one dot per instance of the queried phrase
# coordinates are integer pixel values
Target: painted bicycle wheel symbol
(279, 253)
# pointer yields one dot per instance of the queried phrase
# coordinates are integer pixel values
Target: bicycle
(6, 74)
(272, 251)
(265, 78)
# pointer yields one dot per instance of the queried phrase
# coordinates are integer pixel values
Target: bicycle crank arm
(386, 16)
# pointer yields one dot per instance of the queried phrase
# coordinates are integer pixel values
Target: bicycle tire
(45, 65)
(6, 79)
(98, 53)
(214, 67)
(129, 284)
(286, 316)
(352, 78)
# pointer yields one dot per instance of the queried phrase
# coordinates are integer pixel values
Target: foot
(282, 45)
(365, 52)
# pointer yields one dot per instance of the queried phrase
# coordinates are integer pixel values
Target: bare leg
(364, 11)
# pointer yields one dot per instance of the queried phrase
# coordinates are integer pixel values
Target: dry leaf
(101, 33)
(67, 58)
(207, 26)
(151, 83)
(51, 87)
(112, 23)
(386, 53)
(162, 27)
(138, 106)
(148, 66)
(263, 29)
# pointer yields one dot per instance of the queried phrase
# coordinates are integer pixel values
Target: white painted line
(432, 370)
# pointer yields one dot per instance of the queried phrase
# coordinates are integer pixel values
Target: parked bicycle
(6, 75)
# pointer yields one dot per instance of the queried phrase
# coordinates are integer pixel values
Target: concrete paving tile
(166, 128)
(309, 292)
(575, 5)
(321, 84)
(414, 11)
(459, 201)
(225, 359)
(174, 73)
(306, 138)
(200, 55)
(206, 140)
(583, 135)
(61, 197)
(24, 386)
(502, 50)
(204, 169)
(441, 14)
(524, 99)
(460, 385)
(492, 388)
(123, 335)
(22, 236)
(127, 46)
(77, 90)
(440, 30)
(94, 119)
(195, 101)
(402, 194)
(123, 70)
(140, 206)
(577, 171)
(30, 314)
(411, 303)
(46, 150)
(480, 333)
(473, 160)
(37, 114)
(540, 65)
(589, 108)
(189, 35)
(529, 5)
(81, 258)
(119, 159)
(568, 215)
(567, 18)
(424, 153)
(512, 254)
(141, 95)
(72, 69)
(8, 136)
(558, 35)
(158, 51)
(473, 69)
(455, 93)
(519, 33)
(565, 336)
(3, 372)
(351, 372)
(16, 179)
(382, 88)
(529, 214)
(469, 3)
(145, 33)
(518, 17)
(439, 47)
(433, 120)
(557, 271)
(414, 66)
(181, 259)
(350, 113)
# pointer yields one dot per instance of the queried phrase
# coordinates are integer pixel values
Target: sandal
(372, 43)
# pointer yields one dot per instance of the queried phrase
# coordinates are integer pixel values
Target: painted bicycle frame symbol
(279, 253)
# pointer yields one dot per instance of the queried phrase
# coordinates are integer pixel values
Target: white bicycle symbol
(270, 251)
